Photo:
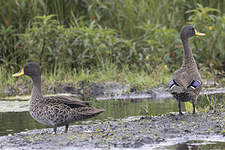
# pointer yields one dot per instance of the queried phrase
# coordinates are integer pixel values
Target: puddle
(13, 122)
(14, 115)
(14, 106)
(14, 118)
(214, 143)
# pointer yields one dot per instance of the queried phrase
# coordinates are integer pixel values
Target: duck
(54, 111)
(186, 83)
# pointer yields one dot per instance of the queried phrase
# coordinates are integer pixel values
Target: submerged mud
(137, 132)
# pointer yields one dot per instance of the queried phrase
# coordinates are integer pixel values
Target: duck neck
(36, 91)
(188, 60)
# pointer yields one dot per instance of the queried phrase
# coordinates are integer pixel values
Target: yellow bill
(19, 73)
(198, 33)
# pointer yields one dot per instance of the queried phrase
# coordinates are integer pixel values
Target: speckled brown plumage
(54, 111)
(186, 82)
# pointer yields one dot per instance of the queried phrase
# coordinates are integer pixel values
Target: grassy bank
(107, 73)
(138, 78)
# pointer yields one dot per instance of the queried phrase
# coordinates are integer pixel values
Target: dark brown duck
(54, 111)
(186, 82)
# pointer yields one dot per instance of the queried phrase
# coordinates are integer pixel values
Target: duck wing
(66, 100)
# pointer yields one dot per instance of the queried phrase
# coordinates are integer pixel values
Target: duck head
(30, 69)
(189, 31)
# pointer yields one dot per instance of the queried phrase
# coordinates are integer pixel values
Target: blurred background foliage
(88, 33)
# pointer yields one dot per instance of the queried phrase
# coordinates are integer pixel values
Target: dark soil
(125, 133)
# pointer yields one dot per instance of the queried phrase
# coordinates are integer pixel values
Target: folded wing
(66, 100)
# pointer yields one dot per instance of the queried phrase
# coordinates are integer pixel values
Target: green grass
(105, 73)
(5, 78)
(108, 72)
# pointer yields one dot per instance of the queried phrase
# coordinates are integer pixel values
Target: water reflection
(196, 145)
(13, 122)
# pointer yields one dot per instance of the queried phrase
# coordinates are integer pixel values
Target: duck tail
(98, 111)
(92, 112)
(177, 90)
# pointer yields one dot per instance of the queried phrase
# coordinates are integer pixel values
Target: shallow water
(201, 144)
(15, 118)
(13, 122)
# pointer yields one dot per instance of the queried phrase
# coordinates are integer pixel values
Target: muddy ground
(126, 133)
(89, 89)
(101, 91)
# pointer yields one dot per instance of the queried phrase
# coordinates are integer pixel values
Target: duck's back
(188, 83)
(61, 110)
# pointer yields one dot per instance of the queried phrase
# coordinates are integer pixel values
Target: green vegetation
(105, 73)
(208, 103)
(214, 103)
(131, 41)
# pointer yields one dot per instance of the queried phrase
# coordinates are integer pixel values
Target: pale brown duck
(186, 82)
(54, 111)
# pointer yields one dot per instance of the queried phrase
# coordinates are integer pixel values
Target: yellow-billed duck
(54, 111)
(186, 82)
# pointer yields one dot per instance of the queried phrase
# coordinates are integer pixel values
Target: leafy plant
(88, 33)
(209, 51)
